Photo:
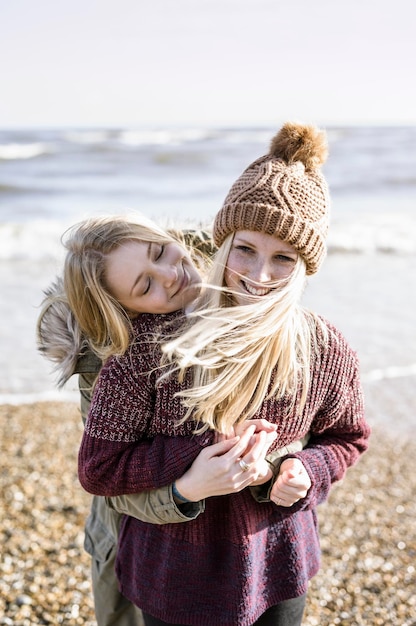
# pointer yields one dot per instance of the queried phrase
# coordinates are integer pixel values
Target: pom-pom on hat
(284, 194)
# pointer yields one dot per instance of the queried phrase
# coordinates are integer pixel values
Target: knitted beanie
(284, 194)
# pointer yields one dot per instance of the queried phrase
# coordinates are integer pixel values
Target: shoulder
(333, 347)
(150, 330)
(144, 352)
(150, 323)
(88, 363)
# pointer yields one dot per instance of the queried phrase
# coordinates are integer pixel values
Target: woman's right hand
(292, 484)
(220, 469)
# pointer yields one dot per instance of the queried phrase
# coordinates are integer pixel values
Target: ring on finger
(244, 466)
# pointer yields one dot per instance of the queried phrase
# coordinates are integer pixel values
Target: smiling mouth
(255, 291)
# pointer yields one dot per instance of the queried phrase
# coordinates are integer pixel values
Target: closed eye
(160, 252)
(147, 288)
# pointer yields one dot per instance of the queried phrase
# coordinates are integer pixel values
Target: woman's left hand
(292, 484)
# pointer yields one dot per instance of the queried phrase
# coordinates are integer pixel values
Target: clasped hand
(233, 463)
(292, 483)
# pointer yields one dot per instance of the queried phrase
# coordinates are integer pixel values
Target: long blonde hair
(100, 316)
(243, 355)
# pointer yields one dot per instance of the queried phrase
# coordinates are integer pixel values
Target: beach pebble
(367, 528)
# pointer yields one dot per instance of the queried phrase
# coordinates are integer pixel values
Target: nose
(262, 272)
(168, 275)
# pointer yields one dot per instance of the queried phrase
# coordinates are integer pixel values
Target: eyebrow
(138, 278)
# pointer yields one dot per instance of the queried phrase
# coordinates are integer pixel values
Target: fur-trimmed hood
(59, 337)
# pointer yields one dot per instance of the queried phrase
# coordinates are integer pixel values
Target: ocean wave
(389, 372)
(377, 233)
(361, 159)
(183, 136)
(31, 241)
(139, 138)
(22, 151)
(87, 137)
(96, 139)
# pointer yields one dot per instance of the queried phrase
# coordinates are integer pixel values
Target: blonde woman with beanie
(249, 351)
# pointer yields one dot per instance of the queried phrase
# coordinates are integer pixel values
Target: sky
(147, 63)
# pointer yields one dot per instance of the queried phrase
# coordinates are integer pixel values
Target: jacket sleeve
(86, 381)
(156, 507)
(118, 453)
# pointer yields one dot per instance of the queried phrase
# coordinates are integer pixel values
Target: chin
(190, 296)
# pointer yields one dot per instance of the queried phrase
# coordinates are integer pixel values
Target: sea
(53, 178)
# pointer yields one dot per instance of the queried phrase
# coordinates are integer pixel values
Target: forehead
(129, 254)
(262, 240)
(129, 245)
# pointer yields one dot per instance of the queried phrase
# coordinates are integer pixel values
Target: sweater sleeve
(112, 468)
(122, 451)
(339, 432)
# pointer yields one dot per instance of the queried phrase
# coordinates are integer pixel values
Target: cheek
(155, 303)
(230, 278)
(161, 301)
(189, 296)
(283, 272)
(234, 270)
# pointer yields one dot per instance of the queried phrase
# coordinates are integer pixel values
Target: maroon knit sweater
(238, 558)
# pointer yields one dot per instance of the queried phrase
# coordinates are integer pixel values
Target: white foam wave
(376, 233)
(15, 151)
(133, 138)
(390, 372)
(87, 137)
(32, 241)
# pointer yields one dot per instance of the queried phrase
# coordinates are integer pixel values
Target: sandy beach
(368, 534)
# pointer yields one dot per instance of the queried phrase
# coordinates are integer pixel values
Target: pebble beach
(368, 531)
